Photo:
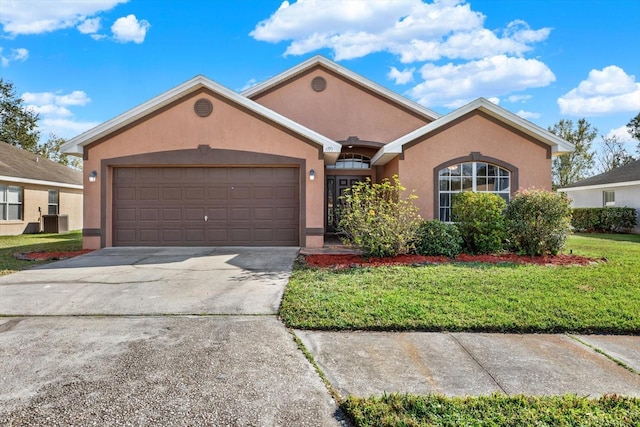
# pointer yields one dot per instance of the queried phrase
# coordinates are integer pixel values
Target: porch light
(93, 176)
(312, 175)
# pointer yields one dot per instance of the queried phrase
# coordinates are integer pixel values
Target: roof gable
(17, 165)
(320, 61)
(557, 144)
(629, 173)
(330, 148)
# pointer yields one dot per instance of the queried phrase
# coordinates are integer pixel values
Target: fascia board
(558, 144)
(73, 145)
(318, 59)
(40, 182)
(600, 186)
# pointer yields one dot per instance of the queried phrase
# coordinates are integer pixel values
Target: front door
(335, 188)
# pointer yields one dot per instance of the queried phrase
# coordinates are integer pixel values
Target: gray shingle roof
(626, 173)
(17, 163)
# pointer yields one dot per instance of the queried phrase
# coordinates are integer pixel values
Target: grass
(10, 245)
(494, 410)
(600, 298)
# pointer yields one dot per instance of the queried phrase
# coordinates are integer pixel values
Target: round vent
(203, 107)
(318, 84)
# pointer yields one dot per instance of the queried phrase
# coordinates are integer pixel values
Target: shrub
(538, 222)
(436, 238)
(609, 219)
(480, 220)
(377, 219)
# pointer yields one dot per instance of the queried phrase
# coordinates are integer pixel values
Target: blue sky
(79, 63)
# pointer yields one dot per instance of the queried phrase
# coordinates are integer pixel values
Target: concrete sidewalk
(458, 364)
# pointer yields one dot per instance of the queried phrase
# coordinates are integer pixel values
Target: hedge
(608, 219)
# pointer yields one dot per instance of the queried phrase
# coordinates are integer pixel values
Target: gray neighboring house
(619, 187)
(32, 187)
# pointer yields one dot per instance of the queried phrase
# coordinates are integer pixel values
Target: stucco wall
(178, 127)
(36, 196)
(474, 133)
(341, 110)
(626, 196)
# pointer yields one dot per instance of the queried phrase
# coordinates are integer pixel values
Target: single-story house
(32, 187)
(201, 164)
(617, 187)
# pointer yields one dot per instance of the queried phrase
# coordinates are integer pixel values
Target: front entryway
(336, 185)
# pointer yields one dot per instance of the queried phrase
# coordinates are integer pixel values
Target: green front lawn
(495, 410)
(600, 298)
(10, 245)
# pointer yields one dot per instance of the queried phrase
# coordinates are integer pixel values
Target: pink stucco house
(204, 165)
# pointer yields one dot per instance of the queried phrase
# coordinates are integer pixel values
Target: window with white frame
(10, 203)
(52, 207)
(608, 198)
(351, 161)
(470, 176)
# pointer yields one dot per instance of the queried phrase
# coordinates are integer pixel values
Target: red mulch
(346, 261)
(50, 256)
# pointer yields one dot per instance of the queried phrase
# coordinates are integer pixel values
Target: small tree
(538, 222)
(480, 220)
(377, 219)
(18, 124)
(633, 127)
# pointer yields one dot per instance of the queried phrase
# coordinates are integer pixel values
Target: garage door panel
(243, 206)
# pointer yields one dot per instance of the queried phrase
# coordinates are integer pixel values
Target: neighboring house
(31, 187)
(619, 187)
(203, 165)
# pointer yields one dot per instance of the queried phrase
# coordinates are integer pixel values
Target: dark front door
(336, 185)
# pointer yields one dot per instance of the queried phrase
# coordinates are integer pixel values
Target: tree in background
(19, 127)
(612, 154)
(633, 127)
(571, 167)
(51, 150)
(18, 124)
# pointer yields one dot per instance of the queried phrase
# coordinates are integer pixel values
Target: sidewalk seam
(495, 380)
(604, 353)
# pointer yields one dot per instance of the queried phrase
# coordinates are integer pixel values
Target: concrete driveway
(155, 336)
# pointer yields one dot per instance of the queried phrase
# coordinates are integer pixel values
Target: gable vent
(318, 84)
(203, 107)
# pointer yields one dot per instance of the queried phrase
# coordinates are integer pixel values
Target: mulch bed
(348, 261)
(50, 256)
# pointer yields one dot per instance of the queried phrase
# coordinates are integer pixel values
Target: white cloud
(252, 82)
(89, 26)
(129, 29)
(411, 29)
(455, 85)
(622, 134)
(528, 114)
(605, 91)
(20, 54)
(37, 16)
(494, 100)
(401, 77)
(519, 98)
(54, 110)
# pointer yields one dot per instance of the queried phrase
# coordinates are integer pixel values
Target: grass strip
(602, 298)
(23, 243)
(496, 410)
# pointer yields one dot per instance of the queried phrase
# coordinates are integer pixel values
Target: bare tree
(612, 154)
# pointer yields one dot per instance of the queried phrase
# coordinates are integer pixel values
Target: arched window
(471, 176)
(351, 161)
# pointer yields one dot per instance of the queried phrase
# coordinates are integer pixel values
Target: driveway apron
(155, 336)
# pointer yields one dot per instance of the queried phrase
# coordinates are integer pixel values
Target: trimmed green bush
(480, 221)
(378, 220)
(538, 222)
(608, 219)
(436, 238)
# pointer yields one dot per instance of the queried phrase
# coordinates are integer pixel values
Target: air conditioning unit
(55, 223)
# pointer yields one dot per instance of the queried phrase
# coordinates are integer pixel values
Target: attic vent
(318, 84)
(203, 107)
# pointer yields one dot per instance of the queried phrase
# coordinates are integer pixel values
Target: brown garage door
(206, 206)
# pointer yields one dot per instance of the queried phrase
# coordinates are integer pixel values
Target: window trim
(474, 156)
(343, 158)
(610, 203)
(49, 204)
(5, 188)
